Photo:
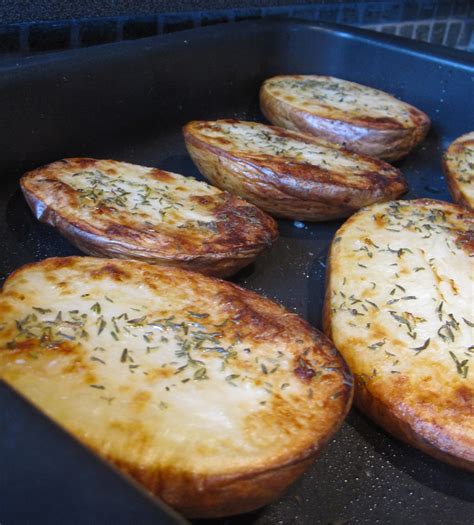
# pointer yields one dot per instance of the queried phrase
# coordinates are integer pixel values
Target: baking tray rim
(437, 52)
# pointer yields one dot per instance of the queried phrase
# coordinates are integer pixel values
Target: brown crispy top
(400, 310)
(339, 99)
(168, 370)
(296, 162)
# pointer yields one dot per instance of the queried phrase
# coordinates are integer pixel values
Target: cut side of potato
(400, 308)
(211, 396)
(289, 174)
(115, 209)
(361, 118)
(458, 166)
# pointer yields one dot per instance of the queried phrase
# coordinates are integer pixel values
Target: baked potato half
(458, 163)
(212, 397)
(399, 307)
(361, 118)
(289, 174)
(115, 209)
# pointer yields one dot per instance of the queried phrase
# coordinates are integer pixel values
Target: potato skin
(393, 415)
(126, 436)
(290, 188)
(218, 497)
(392, 422)
(234, 247)
(455, 191)
(452, 159)
(385, 140)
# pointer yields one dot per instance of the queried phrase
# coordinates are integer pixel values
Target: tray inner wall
(129, 102)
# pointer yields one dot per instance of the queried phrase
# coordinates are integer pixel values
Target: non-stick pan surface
(128, 101)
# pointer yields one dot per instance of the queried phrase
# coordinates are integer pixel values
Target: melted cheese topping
(159, 368)
(402, 309)
(259, 140)
(460, 162)
(337, 98)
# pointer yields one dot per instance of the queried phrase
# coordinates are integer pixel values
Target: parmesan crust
(115, 209)
(363, 119)
(212, 397)
(400, 308)
(459, 170)
(289, 174)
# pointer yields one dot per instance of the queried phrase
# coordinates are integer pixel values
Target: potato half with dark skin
(115, 209)
(360, 118)
(399, 307)
(458, 164)
(289, 174)
(210, 396)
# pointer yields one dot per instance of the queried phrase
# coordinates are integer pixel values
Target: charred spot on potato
(122, 231)
(304, 370)
(162, 176)
(83, 162)
(112, 271)
(466, 240)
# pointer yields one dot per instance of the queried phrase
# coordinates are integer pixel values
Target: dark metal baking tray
(128, 101)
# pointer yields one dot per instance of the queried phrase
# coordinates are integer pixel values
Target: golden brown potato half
(289, 174)
(211, 396)
(115, 209)
(458, 163)
(361, 118)
(400, 308)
